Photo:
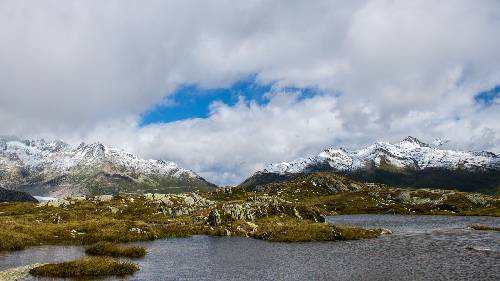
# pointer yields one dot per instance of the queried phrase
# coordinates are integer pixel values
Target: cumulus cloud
(386, 69)
(237, 140)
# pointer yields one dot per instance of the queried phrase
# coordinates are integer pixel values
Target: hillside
(15, 196)
(409, 162)
(58, 169)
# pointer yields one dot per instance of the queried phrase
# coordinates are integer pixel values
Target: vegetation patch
(289, 211)
(12, 240)
(87, 267)
(279, 230)
(113, 250)
(483, 227)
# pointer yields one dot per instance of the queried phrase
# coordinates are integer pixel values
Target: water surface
(421, 248)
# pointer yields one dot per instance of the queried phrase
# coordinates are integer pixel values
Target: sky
(225, 87)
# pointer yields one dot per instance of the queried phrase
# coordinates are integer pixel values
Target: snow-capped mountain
(409, 162)
(55, 168)
(409, 153)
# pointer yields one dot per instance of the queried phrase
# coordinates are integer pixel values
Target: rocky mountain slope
(57, 169)
(409, 162)
(15, 196)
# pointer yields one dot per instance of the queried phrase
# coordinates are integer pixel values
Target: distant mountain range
(55, 168)
(409, 162)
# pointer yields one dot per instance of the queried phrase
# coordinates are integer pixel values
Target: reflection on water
(421, 248)
(40, 254)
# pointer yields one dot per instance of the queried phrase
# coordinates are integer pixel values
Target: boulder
(214, 218)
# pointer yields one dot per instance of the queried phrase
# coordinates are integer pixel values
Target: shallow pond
(421, 248)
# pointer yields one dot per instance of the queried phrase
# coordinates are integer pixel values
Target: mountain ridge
(55, 168)
(409, 162)
(15, 196)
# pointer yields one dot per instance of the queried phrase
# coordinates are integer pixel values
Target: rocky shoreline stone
(17, 273)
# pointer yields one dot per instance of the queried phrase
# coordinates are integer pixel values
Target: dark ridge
(470, 181)
(7, 195)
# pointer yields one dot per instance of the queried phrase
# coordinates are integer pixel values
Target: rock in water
(17, 273)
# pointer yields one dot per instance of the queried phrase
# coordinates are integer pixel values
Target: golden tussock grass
(113, 250)
(87, 267)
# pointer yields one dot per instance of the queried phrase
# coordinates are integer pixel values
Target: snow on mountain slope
(409, 153)
(87, 168)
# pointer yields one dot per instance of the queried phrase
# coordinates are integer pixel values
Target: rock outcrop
(214, 218)
(15, 196)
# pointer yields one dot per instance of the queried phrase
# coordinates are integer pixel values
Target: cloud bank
(87, 70)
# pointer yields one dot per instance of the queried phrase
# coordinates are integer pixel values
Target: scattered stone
(385, 231)
(477, 199)
(405, 197)
(477, 248)
(179, 204)
(114, 210)
(214, 218)
(74, 233)
(239, 211)
(55, 203)
(103, 198)
(17, 273)
(137, 230)
(225, 189)
(296, 213)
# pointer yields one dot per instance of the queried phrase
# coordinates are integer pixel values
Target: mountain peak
(410, 162)
(439, 142)
(410, 153)
(412, 141)
(88, 168)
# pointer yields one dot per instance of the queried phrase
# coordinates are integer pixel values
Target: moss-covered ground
(85, 268)
(113, 250)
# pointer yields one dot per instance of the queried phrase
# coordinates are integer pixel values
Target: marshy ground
(288, 212)
(291, 211)
(112, 250)
(87, 267)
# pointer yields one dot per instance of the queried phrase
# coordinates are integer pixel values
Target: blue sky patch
(488, 97)
(190, 101)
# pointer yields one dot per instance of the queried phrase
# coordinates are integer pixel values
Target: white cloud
(235, 141)
(87, 69)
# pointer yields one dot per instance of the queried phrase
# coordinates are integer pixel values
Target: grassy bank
(87, 267)
(87, 222)
(113, 250)
(298, 231)
(334, 194)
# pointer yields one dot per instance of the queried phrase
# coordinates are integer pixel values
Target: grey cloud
(87, 69)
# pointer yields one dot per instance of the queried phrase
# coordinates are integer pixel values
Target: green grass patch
(292, 230)
(87, 267)
(113, 250)
(290, 211)
(12, 240)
